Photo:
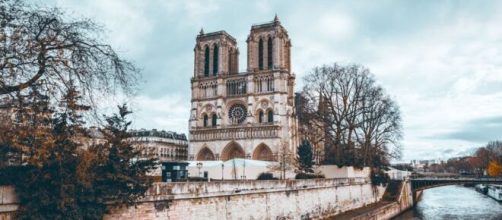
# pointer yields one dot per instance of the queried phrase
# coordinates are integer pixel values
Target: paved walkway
(360, 211)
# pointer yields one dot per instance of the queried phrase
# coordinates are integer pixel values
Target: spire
(201, 31)
(276, 19)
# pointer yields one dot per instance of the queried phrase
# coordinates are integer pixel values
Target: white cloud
(169, 112)
(335, 25)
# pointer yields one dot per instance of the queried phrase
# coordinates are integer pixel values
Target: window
(205, 120)
(236, 87)
(259, 87)
(208, 89)
(270, 116)
(260, 117)
(213, 120)
(206, 62)
(270, 84)
(264, 84)
(270, 53)
(260, 54)
(215, 60)
(237, 113)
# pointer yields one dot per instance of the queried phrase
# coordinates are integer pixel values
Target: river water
(454, 202)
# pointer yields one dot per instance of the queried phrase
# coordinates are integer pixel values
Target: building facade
(243, 114)
(166, 146)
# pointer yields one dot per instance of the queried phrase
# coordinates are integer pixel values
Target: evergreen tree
(121, 171)
(305, 157)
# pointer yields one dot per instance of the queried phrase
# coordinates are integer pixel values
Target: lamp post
(222, 167)
(199, 166)
(244, 169)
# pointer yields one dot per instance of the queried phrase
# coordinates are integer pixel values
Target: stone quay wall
(391, 210)
(243, 199)
(273, 199)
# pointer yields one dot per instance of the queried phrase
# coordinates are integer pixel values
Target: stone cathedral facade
(243, 114)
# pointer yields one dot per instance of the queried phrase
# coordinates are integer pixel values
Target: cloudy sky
(441, 60)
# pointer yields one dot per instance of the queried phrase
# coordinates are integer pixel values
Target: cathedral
(250, 114)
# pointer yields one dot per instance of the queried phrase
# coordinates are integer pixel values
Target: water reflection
(454, 202)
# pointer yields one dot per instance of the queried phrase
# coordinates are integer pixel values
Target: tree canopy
(44, 46)
(51, 70)
(359, 123)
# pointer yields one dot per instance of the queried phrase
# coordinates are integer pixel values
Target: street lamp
(199, 166)
(244, 169)
(222, 167)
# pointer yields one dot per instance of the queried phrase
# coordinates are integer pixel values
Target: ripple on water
(454, 202)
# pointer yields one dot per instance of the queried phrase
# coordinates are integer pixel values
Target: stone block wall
(281, 199)
(273, 199)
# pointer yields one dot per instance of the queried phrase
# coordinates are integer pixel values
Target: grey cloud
(478, 131)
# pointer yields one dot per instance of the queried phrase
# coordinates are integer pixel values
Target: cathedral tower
(269, 47)
(242, 115)
(215, 54)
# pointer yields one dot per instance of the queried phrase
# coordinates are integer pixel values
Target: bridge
(422, 183)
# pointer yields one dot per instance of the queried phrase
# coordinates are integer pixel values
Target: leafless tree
(44, 46)
(286, 160)
(360, 124)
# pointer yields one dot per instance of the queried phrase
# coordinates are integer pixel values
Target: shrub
(309, 176)
(266, 176)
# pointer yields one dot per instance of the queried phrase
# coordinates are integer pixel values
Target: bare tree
(286, 160)
(43, 46)
(361, 126)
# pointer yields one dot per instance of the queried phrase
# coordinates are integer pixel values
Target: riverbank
(397, 199)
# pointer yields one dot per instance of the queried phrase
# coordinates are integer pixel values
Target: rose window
(237, 113)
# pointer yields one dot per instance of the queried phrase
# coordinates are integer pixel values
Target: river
(454, 202)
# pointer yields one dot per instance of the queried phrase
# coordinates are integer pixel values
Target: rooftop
(267, 24)
(155, 133)
(215, 33)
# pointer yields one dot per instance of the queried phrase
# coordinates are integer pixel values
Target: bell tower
(216, 54)
(269, 47)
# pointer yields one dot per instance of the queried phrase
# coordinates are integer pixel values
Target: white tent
(230, 169)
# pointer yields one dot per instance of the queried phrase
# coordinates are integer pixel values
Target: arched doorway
(231, 151)
(263, 152)
(205, 154)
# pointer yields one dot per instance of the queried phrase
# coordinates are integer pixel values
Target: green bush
(266, 176)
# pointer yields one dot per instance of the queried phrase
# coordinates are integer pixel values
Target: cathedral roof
(272, 23)
(203, 35)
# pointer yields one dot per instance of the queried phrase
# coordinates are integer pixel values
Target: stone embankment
(273, 199)
(397, 199)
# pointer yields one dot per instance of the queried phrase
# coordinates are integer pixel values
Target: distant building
(396, 174)
(422, 165)
(170, 148)
(163, 145)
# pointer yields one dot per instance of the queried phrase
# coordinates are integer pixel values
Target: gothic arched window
(206, 119)
(270, 53)
(206, 62)
(270, 116)
(215, 60)
(213, 120)
(260, 117)
(260, 54)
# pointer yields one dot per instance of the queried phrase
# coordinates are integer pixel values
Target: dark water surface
(454, 202)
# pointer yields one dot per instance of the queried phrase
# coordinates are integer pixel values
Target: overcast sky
(440, 60)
